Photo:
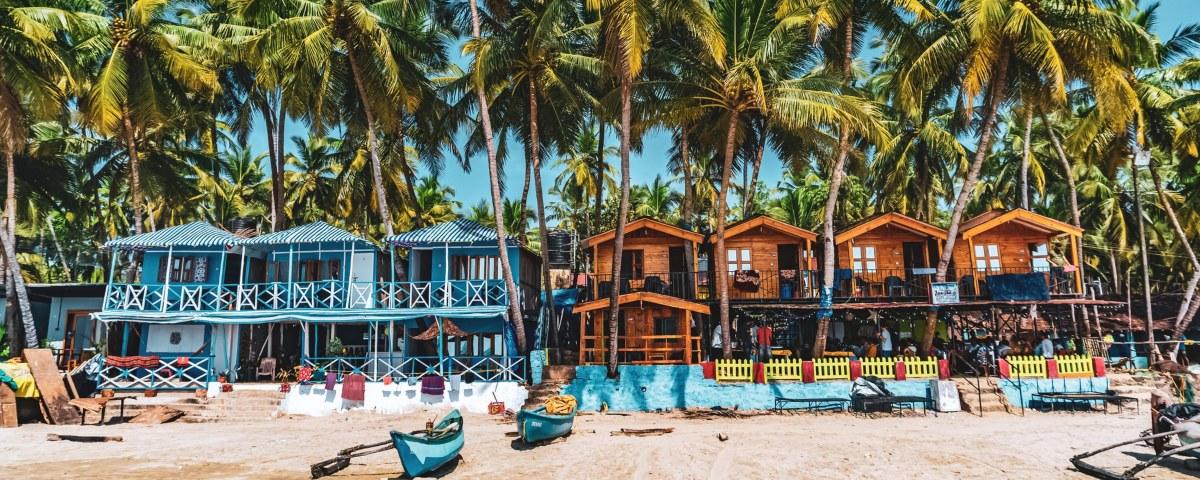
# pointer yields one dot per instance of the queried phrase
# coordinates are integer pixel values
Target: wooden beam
(1023, 216)
(902, 221)
(1075, 261)
(771, 223)
(647, 297)
(650, 224)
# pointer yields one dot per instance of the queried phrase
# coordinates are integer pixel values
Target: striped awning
(457, 232)
(195, 234)
(316, 232)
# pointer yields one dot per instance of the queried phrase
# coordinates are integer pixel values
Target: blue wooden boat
(538, 426)
(424, 451)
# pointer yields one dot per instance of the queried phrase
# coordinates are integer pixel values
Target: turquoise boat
(538, 426)
(424, 451)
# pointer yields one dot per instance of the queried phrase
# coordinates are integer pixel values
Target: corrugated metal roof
(315, 232)
(195, 234)
(457, 232)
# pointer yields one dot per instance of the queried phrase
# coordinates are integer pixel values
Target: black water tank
(558, 248)
(242, 225)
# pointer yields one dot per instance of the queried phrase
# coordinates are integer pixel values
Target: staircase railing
(977, 384)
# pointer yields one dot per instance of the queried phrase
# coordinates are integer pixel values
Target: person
(763, 336)
(1045, 348)
(885, 341)
(872, 349)
(1004, 350)
(718, 347)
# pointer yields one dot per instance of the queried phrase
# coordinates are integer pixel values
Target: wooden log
(643, 432)
(156, 415)
(329, 467)
(50, 383)
(55, 437)
(8, 407)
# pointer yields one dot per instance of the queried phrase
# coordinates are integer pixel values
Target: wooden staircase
(539, 393)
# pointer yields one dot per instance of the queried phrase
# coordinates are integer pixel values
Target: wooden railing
(401, 368)
(1027, 366)
(1075, 366)
(778, 369)
(735, 370)
(831, 369)
(917, 368)
(646, 349)
(167, 373)
(879, 367)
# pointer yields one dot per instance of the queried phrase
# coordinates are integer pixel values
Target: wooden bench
(812, 404)
(97, 405)
(1050, 400)
(894, 403)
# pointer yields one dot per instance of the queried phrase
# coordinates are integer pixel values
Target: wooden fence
(735, 370)
(881, 367)
(784, 369)
(1027, 366)
(916, 367)
(1075, 366)
(831, 369)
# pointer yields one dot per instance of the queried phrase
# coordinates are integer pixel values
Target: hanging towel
(330, 381)
(433, 385)
(354, 387)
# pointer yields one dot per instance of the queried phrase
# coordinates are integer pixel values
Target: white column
(446, 274)
(237, 296)
(167, 280)
(349, 280)
(290, 282)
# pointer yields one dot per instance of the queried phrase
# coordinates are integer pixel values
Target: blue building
(201, 302)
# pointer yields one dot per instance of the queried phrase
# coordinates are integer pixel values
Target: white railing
(318, 295)
(164, 373)
(484, 369)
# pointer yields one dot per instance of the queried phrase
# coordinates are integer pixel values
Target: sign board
(944, 293)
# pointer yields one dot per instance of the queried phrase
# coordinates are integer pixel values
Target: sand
(997, 446)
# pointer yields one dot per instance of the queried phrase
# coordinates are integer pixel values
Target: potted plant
(201, 393)
(150, 393)
(223, 377)
(335, 347)
(107, 393)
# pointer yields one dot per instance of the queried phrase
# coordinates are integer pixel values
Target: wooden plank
(56, 437)
(8, 407)
(156, 415)
(50, 384)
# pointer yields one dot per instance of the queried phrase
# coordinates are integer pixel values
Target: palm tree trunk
(514, 299)
(688, 189)
(376, 168)
(535, 152)
(1189, 293)
(748, 209)
(18, 282)
(1025, 159)
(614, 313)
(719, 254)
(528, 173)
(1144, 251)
(825, 311)
(409, 177)
(9, 233)
(277, 187)
(135, 173)
(599, 208)
(1069, 174)
(995, 96)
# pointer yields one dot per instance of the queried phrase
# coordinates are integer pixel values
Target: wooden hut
(658, 292)
(887, 255)
(1017, 241)
(769, 260)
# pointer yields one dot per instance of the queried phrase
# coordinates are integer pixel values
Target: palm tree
(149, 59)
(485, 120)
(656, 200)
(988, 47)
(584, 165)
(436, 202)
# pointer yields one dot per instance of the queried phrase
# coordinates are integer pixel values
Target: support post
(1078, 267)
(166, 287)
(237, 296)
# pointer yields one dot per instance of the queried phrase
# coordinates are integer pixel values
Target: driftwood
(50, 383)
(55, 437)
(342, 460)
(643, 432)
(156, 414)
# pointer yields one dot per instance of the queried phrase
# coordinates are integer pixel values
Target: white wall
(188, 338)
(403, 398)
(60, 306)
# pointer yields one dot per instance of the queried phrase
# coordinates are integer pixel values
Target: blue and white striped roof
(195, 234)
(316, 232)
(457, 232)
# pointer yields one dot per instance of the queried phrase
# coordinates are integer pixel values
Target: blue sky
(472, 187)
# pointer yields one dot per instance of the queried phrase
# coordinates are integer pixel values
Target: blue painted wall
(654, 387)
(152, 258)
(1020, 393)
(324, 252)
(440, 263)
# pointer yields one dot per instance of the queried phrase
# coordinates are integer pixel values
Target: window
(632, 264)
(1039, 257)
(987, 258)
(475, 267)
(863, 259)
(184, 269)
(335, 269)
(738, 259)
(666, 326)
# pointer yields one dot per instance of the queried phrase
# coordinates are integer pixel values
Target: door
(422, 265)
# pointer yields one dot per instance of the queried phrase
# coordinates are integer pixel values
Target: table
(99, 405)
(812, 404)
(1052, 399)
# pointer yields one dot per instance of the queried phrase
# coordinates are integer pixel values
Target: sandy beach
(759, 446)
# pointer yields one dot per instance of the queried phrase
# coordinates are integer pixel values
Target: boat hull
(538, 426)
(420, 454)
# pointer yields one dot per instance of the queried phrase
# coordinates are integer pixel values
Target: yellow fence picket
(1027, 366)
(916, 367)
(735, 370)
(879, 367)
(784, 369)
(1075, 366)
(831, 368)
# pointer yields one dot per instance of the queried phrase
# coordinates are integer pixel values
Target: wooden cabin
(887, 255)
(1017, 241)
(659, 289)
(769, 260)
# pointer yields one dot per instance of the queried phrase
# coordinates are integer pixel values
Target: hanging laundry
(354, 387)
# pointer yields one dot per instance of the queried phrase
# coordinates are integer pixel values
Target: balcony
(318, 295)
(687, 286)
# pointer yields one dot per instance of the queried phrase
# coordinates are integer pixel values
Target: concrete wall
(57, 318)
(403, 398)
(655, 387)
(1020, 393)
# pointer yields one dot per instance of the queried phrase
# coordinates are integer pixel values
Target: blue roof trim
(457, 232)
(195, 234)
(316, 232)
